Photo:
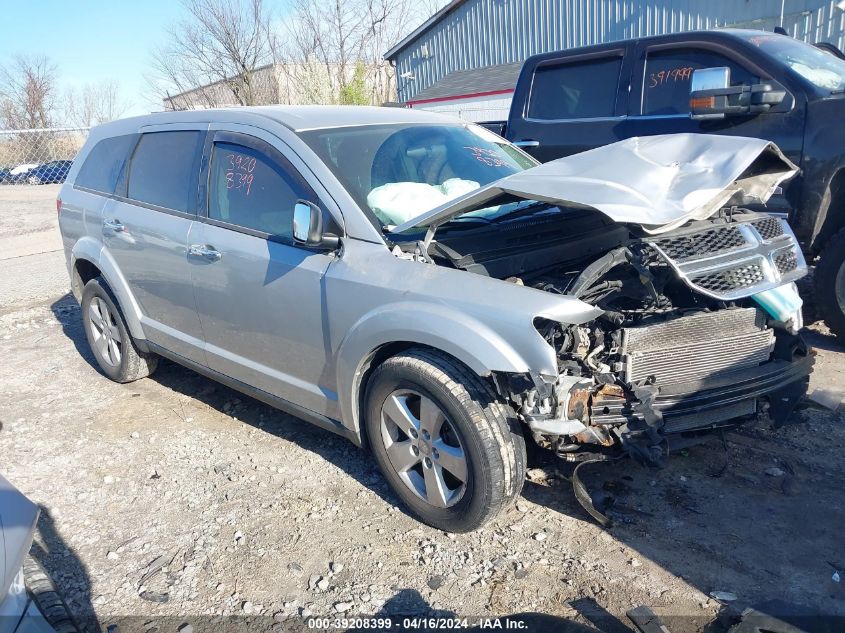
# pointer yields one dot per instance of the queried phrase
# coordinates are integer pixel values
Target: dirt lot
(248, 511)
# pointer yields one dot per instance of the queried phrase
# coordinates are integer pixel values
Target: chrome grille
(768, 228)
(716, 240)
(785, 262)
(696, 346)
(736, 260)
(731, 279)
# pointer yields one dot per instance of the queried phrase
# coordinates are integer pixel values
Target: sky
(92, 40)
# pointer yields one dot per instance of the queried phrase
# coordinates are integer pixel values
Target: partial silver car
(422, 287)
(24, 587)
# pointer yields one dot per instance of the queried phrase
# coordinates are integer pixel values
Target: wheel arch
(83, 271)
(89, 257)
(394, 330)
(831, 218)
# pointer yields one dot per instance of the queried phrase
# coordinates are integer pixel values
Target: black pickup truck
(771, 87)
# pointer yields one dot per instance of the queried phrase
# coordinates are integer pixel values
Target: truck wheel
(109, 338)
(449, 448)
(830, 284)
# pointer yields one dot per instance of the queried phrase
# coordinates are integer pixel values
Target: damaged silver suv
(422, 287)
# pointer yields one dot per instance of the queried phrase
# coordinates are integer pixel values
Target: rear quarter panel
(81, 211)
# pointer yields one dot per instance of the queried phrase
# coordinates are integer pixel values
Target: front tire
(448, 446)
(830, 284)
(105, 328)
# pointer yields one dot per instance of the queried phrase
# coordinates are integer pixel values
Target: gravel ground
(174, 496)
(31, 257)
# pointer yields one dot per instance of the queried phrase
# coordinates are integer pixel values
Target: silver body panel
(254, 305)
(151, 250)
(18, 517)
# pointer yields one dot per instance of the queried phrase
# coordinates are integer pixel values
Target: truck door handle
(205, 251)
(114, 225)
(527, 143)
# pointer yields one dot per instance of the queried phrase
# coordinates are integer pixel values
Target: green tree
(355, 91)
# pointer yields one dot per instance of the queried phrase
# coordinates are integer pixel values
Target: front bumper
(713, 401)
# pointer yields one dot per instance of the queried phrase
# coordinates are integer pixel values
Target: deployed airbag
(397, 202)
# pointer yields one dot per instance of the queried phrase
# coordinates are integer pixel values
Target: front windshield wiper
(462, 223)
(470, 218)
(526, 209)
(520, 211)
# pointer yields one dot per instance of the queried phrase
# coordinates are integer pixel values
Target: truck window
(162, 171)
(577, 90)
(822, 69)
(668, 74)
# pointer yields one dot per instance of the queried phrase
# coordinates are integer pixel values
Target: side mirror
(308, 226)
(712, 96)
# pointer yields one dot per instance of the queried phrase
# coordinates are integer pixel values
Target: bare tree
(328, 43)
(221, 53)
(325, 51)
(389, 22)
(27, 93)
(93, 104)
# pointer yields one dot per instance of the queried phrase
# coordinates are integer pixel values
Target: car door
(260, 297)
(574, 103)
(145, 229)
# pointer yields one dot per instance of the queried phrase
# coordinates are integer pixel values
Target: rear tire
(105, 328)
(830, 284)
(448, 446)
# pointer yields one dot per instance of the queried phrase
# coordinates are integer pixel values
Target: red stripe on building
(473, 95)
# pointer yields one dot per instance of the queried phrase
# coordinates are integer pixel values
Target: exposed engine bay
(697, 330)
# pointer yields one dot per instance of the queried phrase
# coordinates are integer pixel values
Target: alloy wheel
(423, 448)
(108, 343)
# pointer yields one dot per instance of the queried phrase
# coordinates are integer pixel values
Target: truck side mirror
(713, 97)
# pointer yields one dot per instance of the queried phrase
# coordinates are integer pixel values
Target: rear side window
(104, 164)
(668, 75)
(577, 90)
(250, 189)
(164, 169)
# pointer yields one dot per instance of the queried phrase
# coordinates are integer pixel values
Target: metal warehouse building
(465, 59)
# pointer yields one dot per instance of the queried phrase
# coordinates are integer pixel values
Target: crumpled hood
(657, 182)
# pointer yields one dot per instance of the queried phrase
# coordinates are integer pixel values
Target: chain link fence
(38, 157)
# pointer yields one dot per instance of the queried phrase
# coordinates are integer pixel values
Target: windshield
(399, 171)
(822, 69)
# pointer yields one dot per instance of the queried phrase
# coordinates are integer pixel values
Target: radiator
(696, 346)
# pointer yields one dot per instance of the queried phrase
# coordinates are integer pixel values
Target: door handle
(527, 143)
(114, 225)
(205, 251)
